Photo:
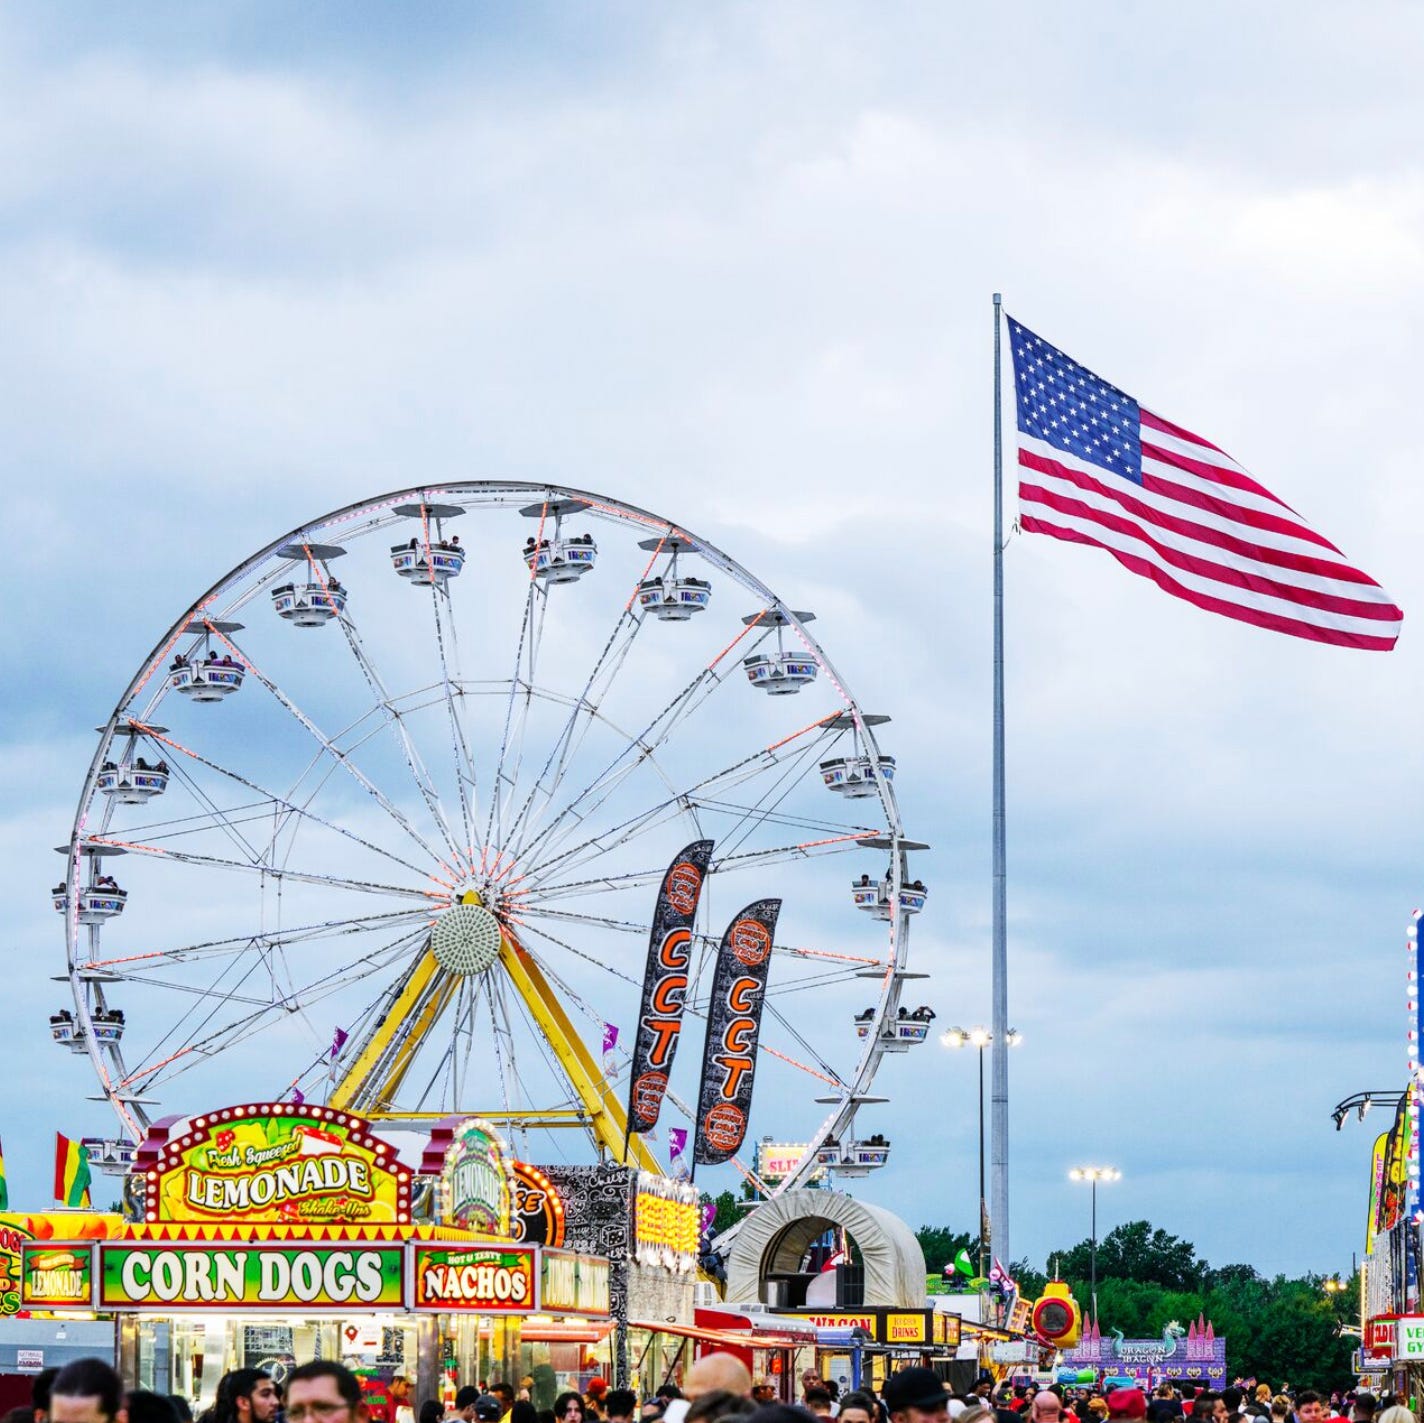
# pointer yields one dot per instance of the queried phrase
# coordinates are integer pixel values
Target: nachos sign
(277, 1163)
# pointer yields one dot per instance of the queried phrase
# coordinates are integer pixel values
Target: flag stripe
(1268, 602)
(1304, 570)
(1180, 471)
(1206, 568)
(1150, 507)
(1320, 627)
(1098, 469)
(1294, 626)
(1217, 465)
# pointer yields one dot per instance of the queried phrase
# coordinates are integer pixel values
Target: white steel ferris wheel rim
(95, 811)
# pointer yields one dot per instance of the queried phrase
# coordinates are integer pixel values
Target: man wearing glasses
(324, 1392)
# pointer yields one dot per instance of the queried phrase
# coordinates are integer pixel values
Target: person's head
(818, 1400)
(431, 1411)
(1098, 1407)
(488, 1409)
(1046, 1407)
(181, 1407)
(855, 1408)
(1397, 1414)
(505, 1393)
(1366, 1405)
(984, 1385)
(1219, 1411)
(651, 1410)
(86, 1391)
(523, 1412)
(977, 1413)
(916, 1395)
(1263, 1393)
(619, 1404)
(724, 1372)
(568, 1408)
(667, 1392)
(465, 1402)
(324, 1391)
(1310, 1407)
(246, 1396)
(763, 1391)
(145, 1407)
(39, 1393)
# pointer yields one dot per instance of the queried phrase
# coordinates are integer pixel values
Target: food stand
(265, 1234)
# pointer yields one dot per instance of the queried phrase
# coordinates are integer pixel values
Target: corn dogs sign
(167, 1277)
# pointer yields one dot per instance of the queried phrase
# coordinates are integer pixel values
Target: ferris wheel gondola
(408, 871)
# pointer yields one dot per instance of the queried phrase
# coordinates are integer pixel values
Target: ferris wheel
(380, 821)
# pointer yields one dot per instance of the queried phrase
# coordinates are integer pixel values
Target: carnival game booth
(266, 1234)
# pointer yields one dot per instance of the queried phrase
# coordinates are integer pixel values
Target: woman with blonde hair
(1398, 1414)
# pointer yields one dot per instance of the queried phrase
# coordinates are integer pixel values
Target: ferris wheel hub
(466, 939)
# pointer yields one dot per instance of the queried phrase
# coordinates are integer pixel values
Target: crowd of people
(716, 1389)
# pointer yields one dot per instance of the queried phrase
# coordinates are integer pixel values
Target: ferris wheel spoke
(240, 943)
(582, 716)
(748, 859)
(189, 857)
(231, 1034)
(596, 686)
(535, 602)
(287, 805)
(758, 763)
(418, 771)
(641, 748)
(460, 752)
(755, 816)
(340, 757)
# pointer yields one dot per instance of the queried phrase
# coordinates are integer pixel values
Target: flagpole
(999, 1119)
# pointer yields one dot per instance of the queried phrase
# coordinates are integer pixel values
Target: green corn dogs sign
(250, 1276)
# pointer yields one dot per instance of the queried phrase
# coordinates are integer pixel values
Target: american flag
(1095, 467)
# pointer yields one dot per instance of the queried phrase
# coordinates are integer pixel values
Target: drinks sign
(281, 1163)
(487, 1281)
(474, 1181)
(573, 1284)
(252, 1276)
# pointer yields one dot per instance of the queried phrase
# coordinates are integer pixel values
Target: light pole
(1092, 1175)
(980, 1038)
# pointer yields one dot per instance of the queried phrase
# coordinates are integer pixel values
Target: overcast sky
(734, 263)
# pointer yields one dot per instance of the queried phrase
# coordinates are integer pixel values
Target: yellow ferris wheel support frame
(389, 1051)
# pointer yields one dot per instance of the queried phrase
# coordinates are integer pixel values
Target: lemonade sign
(280, 1163)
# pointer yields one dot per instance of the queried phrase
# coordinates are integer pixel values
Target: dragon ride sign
(278, 1163)
(250, 1276)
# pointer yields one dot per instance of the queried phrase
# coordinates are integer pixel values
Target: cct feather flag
(71, 1173)
(733, 1023)
(4, 1186)
(654, 1040)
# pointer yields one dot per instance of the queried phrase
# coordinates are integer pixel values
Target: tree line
(1277, 1330)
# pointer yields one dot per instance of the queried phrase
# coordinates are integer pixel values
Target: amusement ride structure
(378, 824)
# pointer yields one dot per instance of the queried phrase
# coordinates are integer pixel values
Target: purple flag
(338, 1042)
(610, 1037)
(709, 1214)
(677, 1142)
(298, 1097)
